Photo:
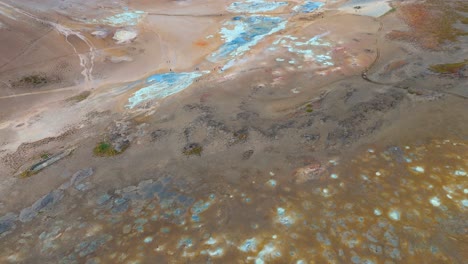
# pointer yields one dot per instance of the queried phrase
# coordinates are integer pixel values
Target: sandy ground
(304, 137)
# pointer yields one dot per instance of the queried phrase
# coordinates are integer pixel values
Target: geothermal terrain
(221, 131)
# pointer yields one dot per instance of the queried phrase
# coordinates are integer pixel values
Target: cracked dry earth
(248, 131)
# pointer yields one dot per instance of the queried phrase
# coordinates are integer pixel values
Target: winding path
(86, 62)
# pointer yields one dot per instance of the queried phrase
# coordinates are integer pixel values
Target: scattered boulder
(124, 36)
(100, 34)
(120, 136)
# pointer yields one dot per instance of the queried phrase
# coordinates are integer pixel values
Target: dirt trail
(86, 59)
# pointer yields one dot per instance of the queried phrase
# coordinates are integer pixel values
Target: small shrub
(449, 68)
(26, 174)
(193, 149)
(80, 97)
(105, 149)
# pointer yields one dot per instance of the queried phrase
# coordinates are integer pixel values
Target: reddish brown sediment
(432, 23)
(205, 135)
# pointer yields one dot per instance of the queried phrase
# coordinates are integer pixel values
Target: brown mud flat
(342, 148)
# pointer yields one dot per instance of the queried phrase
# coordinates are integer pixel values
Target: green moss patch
(80, 97)
(45, 156)
(105, 149)
(449, 68)
(192, 149)
(26, 174)
(34, 80)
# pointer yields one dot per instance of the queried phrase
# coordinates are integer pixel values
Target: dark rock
(132, 195)
(239, 136)
(188, 132)
(7, 223)
(83, 186)
(121, 135)
(202, 108)
(349, 93)
(363, 119)
(310, 122)
(158, 134)
(87, 248)
(246, 115)
(81, 175)
(103, 199)
(247, 154)
(397, 153)
(147, 189)
(120, 205)
(274, 129)
(311, 137)
(213, 124)
(47, 201)
(121, 145)
(463, 71)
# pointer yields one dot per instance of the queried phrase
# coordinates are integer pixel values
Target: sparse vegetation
(193, 149)
(31, 80)
(80, 97)
(449, 68)
(105, 149)
(431, 23)
(34, 79)
(240, 136)
(45, 156)
(26, 174)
